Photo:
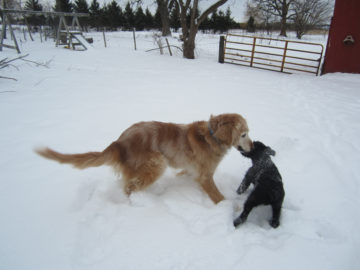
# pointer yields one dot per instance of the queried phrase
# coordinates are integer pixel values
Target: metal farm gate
(271, 54)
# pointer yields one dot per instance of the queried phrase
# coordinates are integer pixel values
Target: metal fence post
(221, 49)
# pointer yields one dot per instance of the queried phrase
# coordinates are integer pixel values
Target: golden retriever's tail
(80, 161)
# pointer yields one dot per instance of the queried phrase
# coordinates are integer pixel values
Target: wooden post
(7, 21)
(3, 32)
(253, 52)
(134, 38)
(46, 31)
(159, 42)
(222, 49)
(75, 22)
(14, 38)
(28, 27)
(24, 34)
(167, 42)
(40, 31)
(104, 37)
(284, 56)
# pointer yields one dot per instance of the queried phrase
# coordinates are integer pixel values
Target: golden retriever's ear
(224, 133)
(213, 123)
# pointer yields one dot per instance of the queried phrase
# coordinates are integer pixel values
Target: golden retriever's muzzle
(245, 147)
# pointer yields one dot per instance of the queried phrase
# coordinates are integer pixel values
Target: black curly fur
(268, 184)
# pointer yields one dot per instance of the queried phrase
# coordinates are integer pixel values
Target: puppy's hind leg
(252, 201)
(276, 211)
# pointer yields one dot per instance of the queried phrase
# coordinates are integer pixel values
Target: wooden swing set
(71, 36)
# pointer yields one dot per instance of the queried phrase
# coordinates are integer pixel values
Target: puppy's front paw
(240, 190)
(274, 223)
(239, 220)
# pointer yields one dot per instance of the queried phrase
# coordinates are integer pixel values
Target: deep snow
(55, 217)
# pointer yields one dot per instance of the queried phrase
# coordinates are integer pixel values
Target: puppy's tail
(81, 161)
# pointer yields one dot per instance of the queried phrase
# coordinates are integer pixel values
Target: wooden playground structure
(69, 35)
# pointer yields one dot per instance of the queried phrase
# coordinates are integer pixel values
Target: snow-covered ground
(55, 217)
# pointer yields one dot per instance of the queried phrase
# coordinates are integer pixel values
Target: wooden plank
(8, 46)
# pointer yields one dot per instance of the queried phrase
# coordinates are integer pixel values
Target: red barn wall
(341, 57)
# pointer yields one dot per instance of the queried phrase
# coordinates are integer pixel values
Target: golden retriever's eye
(243, 135)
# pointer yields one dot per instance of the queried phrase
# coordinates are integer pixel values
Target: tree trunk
(189, 47)
(283, 26)
(164, 14)
(165, 30)
(190, 31)
(284, 13)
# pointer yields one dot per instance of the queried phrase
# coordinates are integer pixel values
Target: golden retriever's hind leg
(210, 188)
(146, 174)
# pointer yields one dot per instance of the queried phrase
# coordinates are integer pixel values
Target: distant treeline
(113, 17)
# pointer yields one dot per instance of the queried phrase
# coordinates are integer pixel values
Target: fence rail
(271, 54)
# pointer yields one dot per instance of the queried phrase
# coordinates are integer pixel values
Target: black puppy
(267, 181)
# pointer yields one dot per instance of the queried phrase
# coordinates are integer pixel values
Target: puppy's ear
(270, 151)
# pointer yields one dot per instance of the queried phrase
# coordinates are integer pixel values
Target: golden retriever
(144, 150)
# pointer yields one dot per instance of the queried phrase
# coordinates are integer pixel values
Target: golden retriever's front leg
(208, 185)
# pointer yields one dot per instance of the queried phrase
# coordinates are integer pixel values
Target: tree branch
(5, 63)
(210, 10)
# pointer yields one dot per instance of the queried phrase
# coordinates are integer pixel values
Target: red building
(343, 47)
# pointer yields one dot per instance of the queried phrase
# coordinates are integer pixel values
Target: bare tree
(11, 4)
(164, 6)
(261, 16)
(282, 9)
(189, 30)
(309, 14)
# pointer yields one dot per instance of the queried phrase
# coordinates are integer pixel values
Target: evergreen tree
(95, 14)
(81, 6)
(214, 21)
(175, 18)
(63, 6)
(206, 25)
(157, 20)
(221, 22)
(140, 19)
(229, 22)
(114, 15)
(94, 8)
(129, 17)
(222, 27)
(149, 20)
(35, 6)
